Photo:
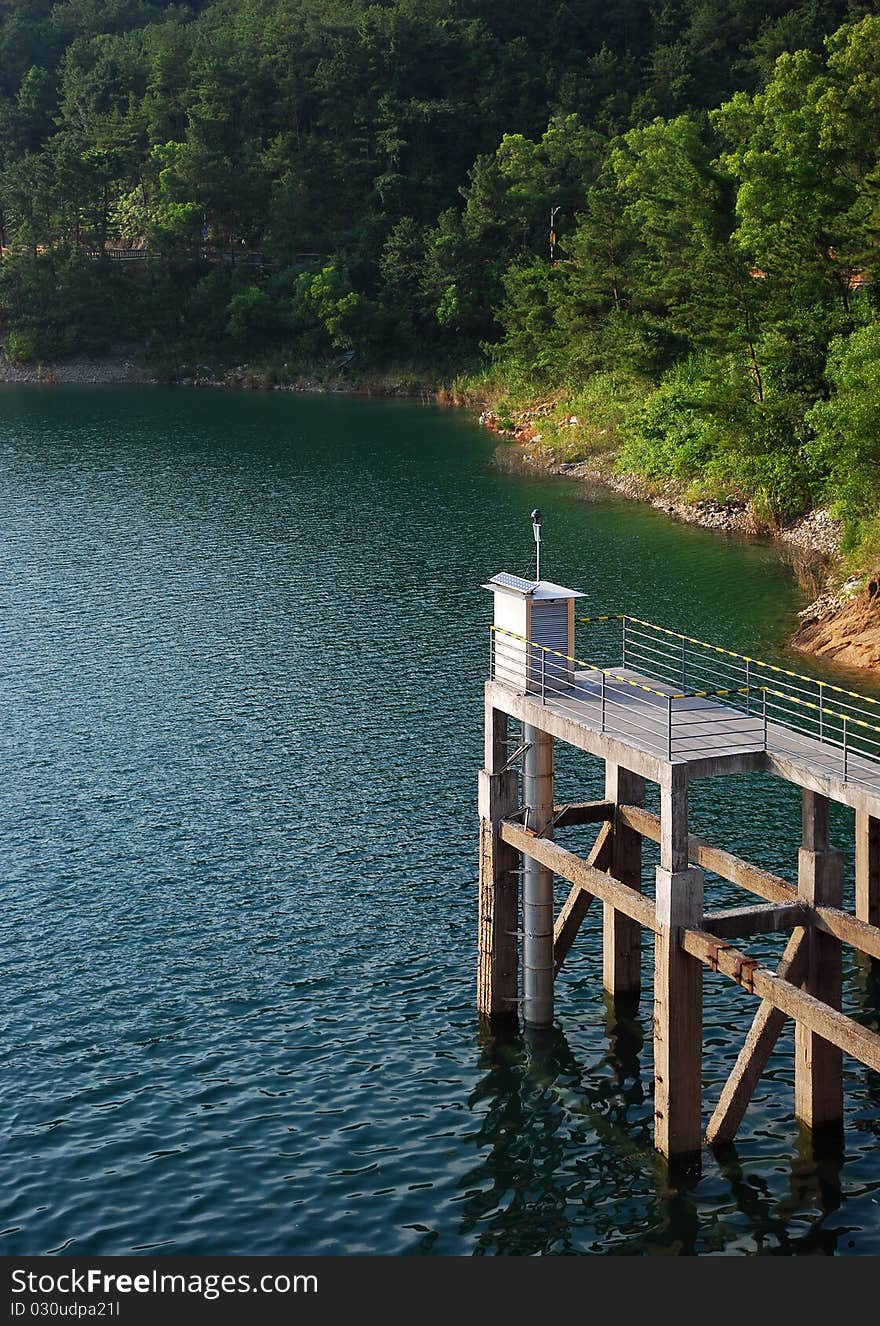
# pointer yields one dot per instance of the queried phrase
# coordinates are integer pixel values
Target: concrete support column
(818, 1079)
(678, 983)
(868, 874)
(537, 883)
(621, 936)
(498, 910)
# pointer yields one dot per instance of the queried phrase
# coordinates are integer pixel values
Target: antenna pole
(536, 529)
(553, 212)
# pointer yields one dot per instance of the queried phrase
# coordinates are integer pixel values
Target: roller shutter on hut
(550, 629)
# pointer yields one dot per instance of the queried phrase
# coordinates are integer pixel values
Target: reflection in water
(867, 984)
(527, 1196)
(539, 1100)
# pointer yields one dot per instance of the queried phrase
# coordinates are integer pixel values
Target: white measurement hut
(532, 618)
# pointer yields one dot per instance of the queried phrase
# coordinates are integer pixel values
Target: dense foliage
(312, 178)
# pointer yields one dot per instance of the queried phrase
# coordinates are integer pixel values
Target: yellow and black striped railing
(675, 668)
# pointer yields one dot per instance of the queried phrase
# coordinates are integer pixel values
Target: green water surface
(243, 649)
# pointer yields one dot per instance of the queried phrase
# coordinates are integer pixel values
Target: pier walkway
(747, 715)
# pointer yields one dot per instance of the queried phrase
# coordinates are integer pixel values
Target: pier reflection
(561, 1133)
(566, 1163)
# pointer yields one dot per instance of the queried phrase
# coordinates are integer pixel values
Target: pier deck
(651, 717)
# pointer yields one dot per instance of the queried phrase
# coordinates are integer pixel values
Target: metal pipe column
(537, 883)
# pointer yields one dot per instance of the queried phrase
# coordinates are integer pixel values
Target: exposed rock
(817, 531)
(844, 627)
(82, 369)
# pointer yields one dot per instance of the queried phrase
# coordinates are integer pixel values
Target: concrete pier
(643, 729)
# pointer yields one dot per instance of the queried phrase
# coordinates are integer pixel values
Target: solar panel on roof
(509, 581)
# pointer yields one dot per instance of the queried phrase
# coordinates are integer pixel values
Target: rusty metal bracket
(714, 952)
(744, 972)
(750, 966)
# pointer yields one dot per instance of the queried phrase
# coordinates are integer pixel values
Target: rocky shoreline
(82, 370)
(816, 535)
(125, 366)
(128, 369)
(841, 624)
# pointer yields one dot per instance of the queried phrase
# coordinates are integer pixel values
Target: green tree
(846, 445)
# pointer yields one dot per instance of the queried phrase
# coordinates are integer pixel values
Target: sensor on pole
(536, 529)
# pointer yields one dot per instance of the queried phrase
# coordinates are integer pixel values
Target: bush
(770, 460)
(704, 427)
(695, 414)
(20, 347)
(252, 316)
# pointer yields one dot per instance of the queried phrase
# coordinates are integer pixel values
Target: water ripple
(242, 655)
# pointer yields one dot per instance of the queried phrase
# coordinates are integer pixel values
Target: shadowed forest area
(314, 181)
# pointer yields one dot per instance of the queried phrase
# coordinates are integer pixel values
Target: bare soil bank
(844, 627)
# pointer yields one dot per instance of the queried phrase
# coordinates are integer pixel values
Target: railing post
(543, 676)
(764, 705)
(684, 675)
(623, 648)
(602, 711)
(748, 686)
(845, 753)
(491, 654)
(669, 727)
(821, 711)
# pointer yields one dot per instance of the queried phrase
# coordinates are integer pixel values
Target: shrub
(694, 414)
(20, 347)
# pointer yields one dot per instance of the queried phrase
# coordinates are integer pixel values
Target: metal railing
(841, 726)
(664, 721)
(685, 698)
(120, 255)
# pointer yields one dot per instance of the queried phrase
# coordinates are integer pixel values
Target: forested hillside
(312, 178)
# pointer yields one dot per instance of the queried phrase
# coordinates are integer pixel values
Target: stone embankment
(122, 367)
(126, 366)
(82, 370)
(816, 534)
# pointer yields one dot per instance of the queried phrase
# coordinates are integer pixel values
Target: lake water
(242, 650)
